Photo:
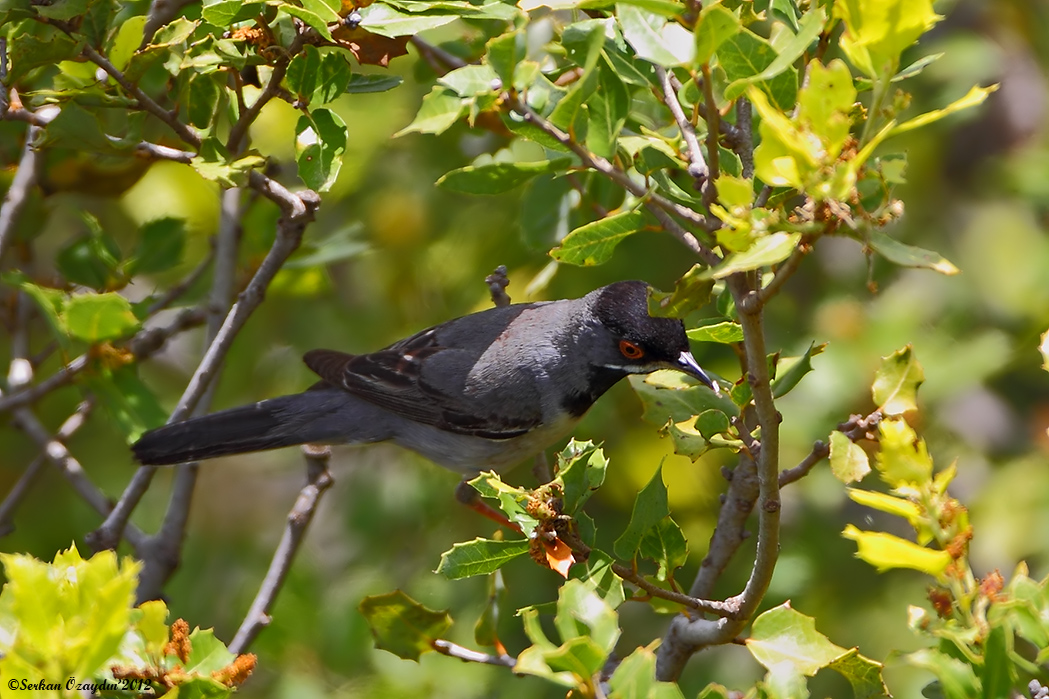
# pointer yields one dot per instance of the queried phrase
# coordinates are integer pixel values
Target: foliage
(69, 627)
(753, 134)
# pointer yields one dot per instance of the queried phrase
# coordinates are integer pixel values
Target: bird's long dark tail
(313, 416)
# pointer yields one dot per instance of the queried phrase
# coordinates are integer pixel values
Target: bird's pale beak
(688, 364)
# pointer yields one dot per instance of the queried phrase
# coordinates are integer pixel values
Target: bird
(482, 392)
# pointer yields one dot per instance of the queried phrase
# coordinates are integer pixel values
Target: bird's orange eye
(630, 350)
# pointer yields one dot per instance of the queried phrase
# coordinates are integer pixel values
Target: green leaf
(582, 613)
(159, 247)
(607, 108)
(649, 508)
(862, 673)
(126, 41)
(593, 243)
(809, 31)
(903, 459)
(320, 141)
(907, 255)
(496, 178)
(361, 84)
(716, 25)
(203, 96)
(635, 678)
(876, 33)
(318, 78)
(895, 387)
(848, 461)
(486, 630)
(670, 395)
(97, 317)
(791, 370)
(654, 38)
(725, 333)
(471, 80)
(128, 401)
(66, 618)
(75, 127)
(769, 250)
(957, 679)
(503, 53)
(580, 471)
(64, 10)
(599, 574)
(745, 55)
(691, 292)
(90, 260)
(999, 673)
(384, 20)
(783, 635)
(403, 626)
(32, 44)
(666, 545)
(479, 557)
(226, 12)
(544, 212)
(885, 552)
(440, 109)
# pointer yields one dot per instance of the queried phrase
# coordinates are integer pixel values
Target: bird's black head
(637, 342)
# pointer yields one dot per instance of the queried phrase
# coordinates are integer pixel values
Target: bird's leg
(466, 495)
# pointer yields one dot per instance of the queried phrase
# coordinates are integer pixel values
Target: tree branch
(164, 554)
(697, 167)
(298, 212)
(17, 195)
(317, 481)
(820, 451)
(652, 201)
(454, 650)
(14, 498)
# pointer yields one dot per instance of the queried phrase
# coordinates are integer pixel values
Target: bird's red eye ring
(630, 350)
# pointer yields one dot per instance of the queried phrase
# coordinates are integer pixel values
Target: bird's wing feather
(393, 379)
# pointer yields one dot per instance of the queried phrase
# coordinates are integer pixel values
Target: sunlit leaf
(769, 250)
(848, 461)
(784, 635)
(885, 551)
(908, 255)
(593, 243)
(98, 317)
(895, 387)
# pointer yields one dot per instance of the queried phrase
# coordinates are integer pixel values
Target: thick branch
(165, 551)
(298, 212)
(317, 481)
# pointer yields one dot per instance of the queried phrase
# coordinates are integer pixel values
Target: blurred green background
(978, 193)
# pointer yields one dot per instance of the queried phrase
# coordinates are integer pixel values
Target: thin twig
(454, 650)
(697, 167)
(175, 292)
(239, 131)
(731, 132)
(7, 508)
(142, 345)
(317, 481)
(744, 148)
(17, 195)
(785, 271)
(73, 472)
(820, 451)
(710, 192)
(439, 60)
(652, 200)
(497, 282)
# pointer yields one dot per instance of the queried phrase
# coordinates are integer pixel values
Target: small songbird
(482, 392)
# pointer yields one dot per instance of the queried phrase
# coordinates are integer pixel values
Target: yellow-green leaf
(885, 551)
(896, 383)
(903, 458)
(974, 97)
(848, 461)
(767, 251)
(876, 33)
(594, 243)
(900, 507)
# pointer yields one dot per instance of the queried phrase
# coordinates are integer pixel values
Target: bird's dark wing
(393, 379)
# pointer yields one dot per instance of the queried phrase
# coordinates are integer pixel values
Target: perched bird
(481, 392)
